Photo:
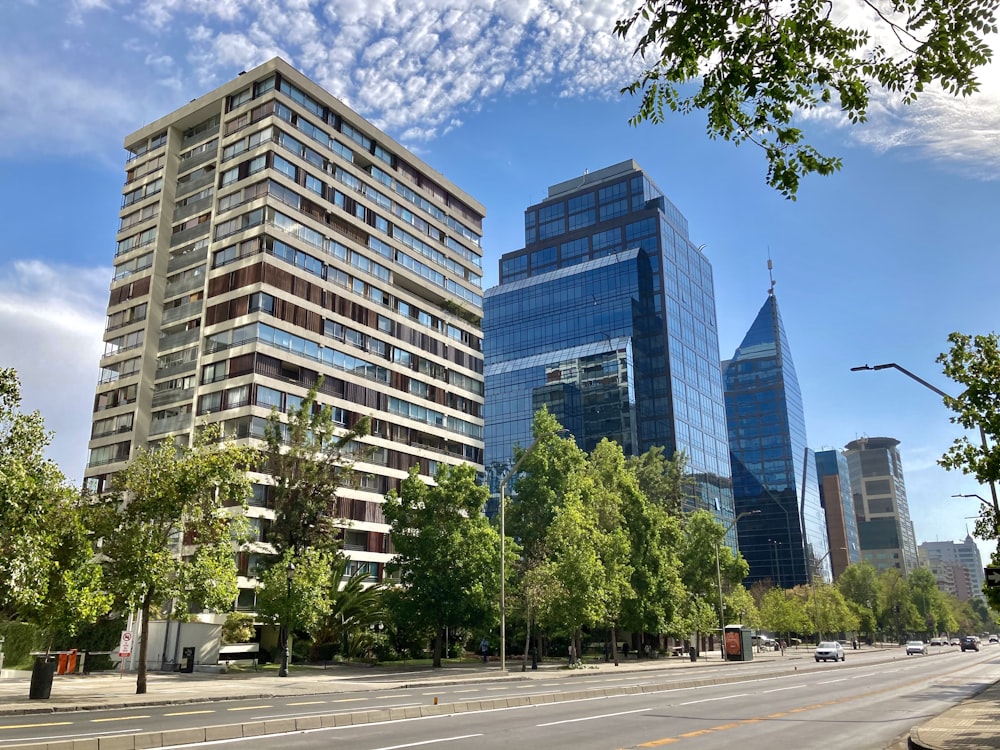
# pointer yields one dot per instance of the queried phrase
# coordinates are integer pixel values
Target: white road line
(589, 718)
(70, 736)
(709, 700)
(429, 742)
(827, 682)
(778, 690)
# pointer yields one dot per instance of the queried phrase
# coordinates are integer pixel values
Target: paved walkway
(973, 724)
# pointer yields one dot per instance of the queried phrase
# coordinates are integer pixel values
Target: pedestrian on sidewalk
(572, 654)
(485, 648)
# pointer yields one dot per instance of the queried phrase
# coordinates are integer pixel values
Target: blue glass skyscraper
(607, 317)
(774, 471)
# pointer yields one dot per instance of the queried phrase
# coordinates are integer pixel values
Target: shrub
(20, 639)
(238, 628)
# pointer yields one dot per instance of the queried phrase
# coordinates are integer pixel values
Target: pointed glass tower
(774, 471)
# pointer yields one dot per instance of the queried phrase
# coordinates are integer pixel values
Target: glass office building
(607, 317)
(774, 472)
(835, 497)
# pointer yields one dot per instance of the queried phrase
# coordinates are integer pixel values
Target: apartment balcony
(187, 284)
(188, 309)
(188, 258)
(192, 208)
(190, 234)
(174, 340)
(173, 396)
(197, 158)
(178, 423)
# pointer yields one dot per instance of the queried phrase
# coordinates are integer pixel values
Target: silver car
(916, 647)
(830, 650)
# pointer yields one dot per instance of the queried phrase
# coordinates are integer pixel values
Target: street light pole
(289, 574)
(503, 546)
(942, 394)
(718, 575)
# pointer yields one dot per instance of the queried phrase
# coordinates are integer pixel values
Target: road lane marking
(695, 733)
(470, 690)
(28, 726)
(590, 718)
(709, 700)
(828, 682)
(658, 743)
(120, 718)
(428, 742)
(778, 690)
(248, 708)
(190, 713)
(305, 703)
(348, 700)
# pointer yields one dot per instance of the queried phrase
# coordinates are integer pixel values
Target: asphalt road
(863, 703)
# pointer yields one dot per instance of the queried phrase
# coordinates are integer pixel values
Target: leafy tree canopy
(752, 66)
(447, 553)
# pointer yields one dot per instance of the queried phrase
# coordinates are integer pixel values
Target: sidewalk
(973, 724)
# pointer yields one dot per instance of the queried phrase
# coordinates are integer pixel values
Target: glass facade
(841, 522)
(879, 493)
(607, 316)
(774, 471)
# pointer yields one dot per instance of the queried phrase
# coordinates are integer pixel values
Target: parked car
(916, 647)
(956, 642)
(970, 643)
(828, 650)
(939, 641)
(994, 639)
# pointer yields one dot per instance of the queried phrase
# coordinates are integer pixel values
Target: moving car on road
(828, 650)
(970, 643)
(916, 647)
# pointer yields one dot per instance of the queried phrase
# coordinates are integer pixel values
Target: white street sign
(125, 644)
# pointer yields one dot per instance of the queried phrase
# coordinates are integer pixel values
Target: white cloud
(51, 326)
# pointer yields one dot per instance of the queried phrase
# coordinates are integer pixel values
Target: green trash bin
(42, 672)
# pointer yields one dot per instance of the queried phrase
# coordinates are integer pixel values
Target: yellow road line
(248, 708)
(352, 700)
(305, 703)
(120, 718)
(46, 724)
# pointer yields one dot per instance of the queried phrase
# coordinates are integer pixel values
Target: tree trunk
(437, 648)
(527, 642)
(140, 680)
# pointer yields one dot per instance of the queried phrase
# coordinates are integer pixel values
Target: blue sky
(506, 97)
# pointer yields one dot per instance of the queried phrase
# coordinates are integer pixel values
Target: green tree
(295, 592)
(447, 553)
(783, 612)
(573, 567)
(830, 612)
(860, 588)
(355, 607)
(896, 611)
(46, 571)
(752, 66)
(741, 604)
(974, 362)
(166, 498)
(538, 490)
(309, 458)
(664, 481)
(926, 598)
(703, 539)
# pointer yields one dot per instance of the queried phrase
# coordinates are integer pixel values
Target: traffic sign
(125, 644)
(992, 577)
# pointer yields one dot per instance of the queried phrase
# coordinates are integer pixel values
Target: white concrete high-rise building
(270, 237)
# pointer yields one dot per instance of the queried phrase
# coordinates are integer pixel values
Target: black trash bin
(693, 653)
(42, 672)
(187, 659)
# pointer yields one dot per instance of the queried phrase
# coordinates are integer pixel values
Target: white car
(916, 647)
(830, 650)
